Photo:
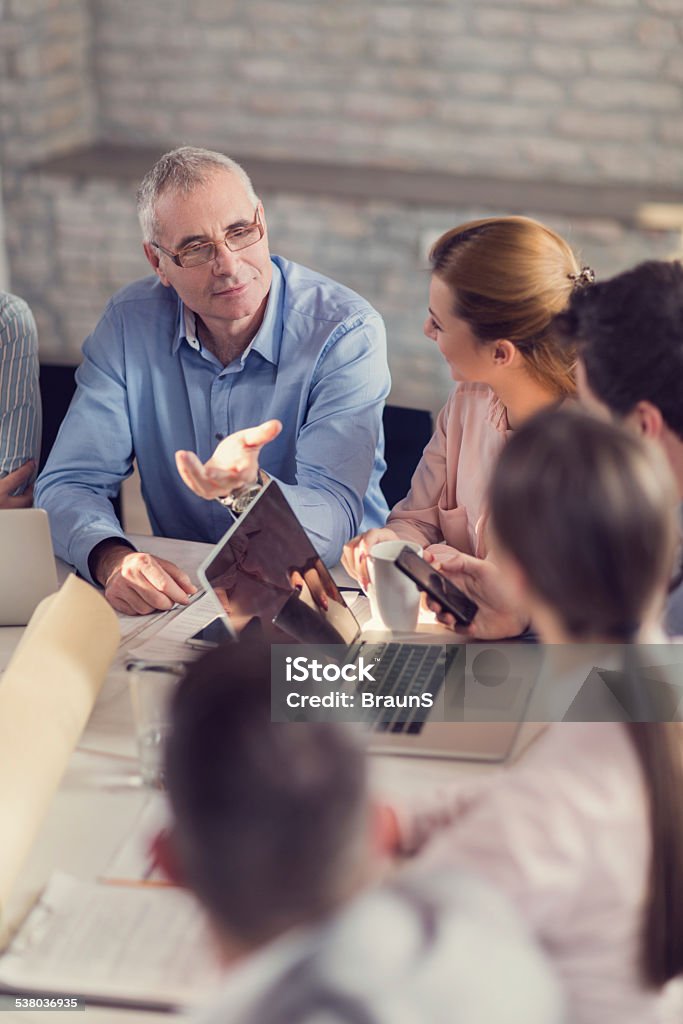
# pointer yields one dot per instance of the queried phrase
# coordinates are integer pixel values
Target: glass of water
(151, 690)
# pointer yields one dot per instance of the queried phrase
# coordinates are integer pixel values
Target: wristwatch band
(240, 500)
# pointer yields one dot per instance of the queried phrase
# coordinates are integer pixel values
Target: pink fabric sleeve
(417, 516)
(524, 838)
(420, 816)
(446, 504)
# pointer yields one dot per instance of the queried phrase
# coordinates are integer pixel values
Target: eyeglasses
(205, 252)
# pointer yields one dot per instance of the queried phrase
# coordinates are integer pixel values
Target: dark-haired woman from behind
(585, 833)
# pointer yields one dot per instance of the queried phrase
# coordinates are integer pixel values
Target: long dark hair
(587, 510)
(658, 745)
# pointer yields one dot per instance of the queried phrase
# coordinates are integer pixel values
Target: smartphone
(437, 586)
(211, 635)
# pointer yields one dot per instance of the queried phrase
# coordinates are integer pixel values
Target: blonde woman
(496, 285)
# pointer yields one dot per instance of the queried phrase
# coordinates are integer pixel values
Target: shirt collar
(267, 339)
(497, 415)
(249, 980)
(188, 328)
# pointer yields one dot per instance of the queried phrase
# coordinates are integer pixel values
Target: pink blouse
(565, 834)
(446, 503)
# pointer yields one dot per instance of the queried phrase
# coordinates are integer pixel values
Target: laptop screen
(266, 569)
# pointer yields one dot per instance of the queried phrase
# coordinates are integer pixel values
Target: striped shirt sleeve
(20, 407)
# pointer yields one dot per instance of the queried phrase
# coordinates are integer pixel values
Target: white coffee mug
(394, 598)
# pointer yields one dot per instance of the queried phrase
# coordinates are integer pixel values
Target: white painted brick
(558, 60)
(556, 152)
(299, 102)
(396, 48)
(622, 5)
(394, 18)
(445, 23)
(497, 22)
(57, 56)
(666, 6)
(483, 114)
(545, 4)
(668, 165)
(671, 131)
(477, 83)
(463, 52)
(232, 39)
(27, 61)
(584, 27)
(673, 70)
(592, 124)
(213, 11)
(621, 93)
(623, 60)
(659, 32)
(70, 25)
(25, 10)
(621, 163)
(536, 88)
(378, 107)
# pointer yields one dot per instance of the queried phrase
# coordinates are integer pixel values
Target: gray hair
(182, 170)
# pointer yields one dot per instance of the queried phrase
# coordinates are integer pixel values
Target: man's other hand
(500, 615)
(234, 463)
(137, 583)
(12, 482)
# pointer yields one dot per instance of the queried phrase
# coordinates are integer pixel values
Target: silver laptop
(27, 563)
(268, 578)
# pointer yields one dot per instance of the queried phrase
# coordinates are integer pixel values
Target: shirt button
(219, 437)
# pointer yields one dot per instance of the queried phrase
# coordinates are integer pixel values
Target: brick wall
(542, 89)
(47, 98)
(580, 90)
(80, 242)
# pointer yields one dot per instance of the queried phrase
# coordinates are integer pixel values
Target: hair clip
(585, 276)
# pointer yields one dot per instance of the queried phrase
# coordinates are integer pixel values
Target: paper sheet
(137, 945)
(46, 695)
(165, 640)
(132, 861)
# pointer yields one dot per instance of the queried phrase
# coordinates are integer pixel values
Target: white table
(98, 801)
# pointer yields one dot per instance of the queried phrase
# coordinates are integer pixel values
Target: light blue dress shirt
(146, 388)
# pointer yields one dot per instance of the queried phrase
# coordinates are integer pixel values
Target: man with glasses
(229, 366)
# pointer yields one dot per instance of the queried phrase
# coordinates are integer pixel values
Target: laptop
(266, 576)
(27, 563)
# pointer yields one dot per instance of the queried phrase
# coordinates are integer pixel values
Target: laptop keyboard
(402, 671)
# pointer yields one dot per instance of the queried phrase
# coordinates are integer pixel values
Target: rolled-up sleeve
(93, 452)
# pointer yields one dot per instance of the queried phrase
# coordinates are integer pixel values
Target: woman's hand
(355, 553)
(499, 615)
(13, 482)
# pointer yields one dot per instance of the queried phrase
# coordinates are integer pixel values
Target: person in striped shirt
(20, 408)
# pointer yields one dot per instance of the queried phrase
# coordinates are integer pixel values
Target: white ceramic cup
(393, 597)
